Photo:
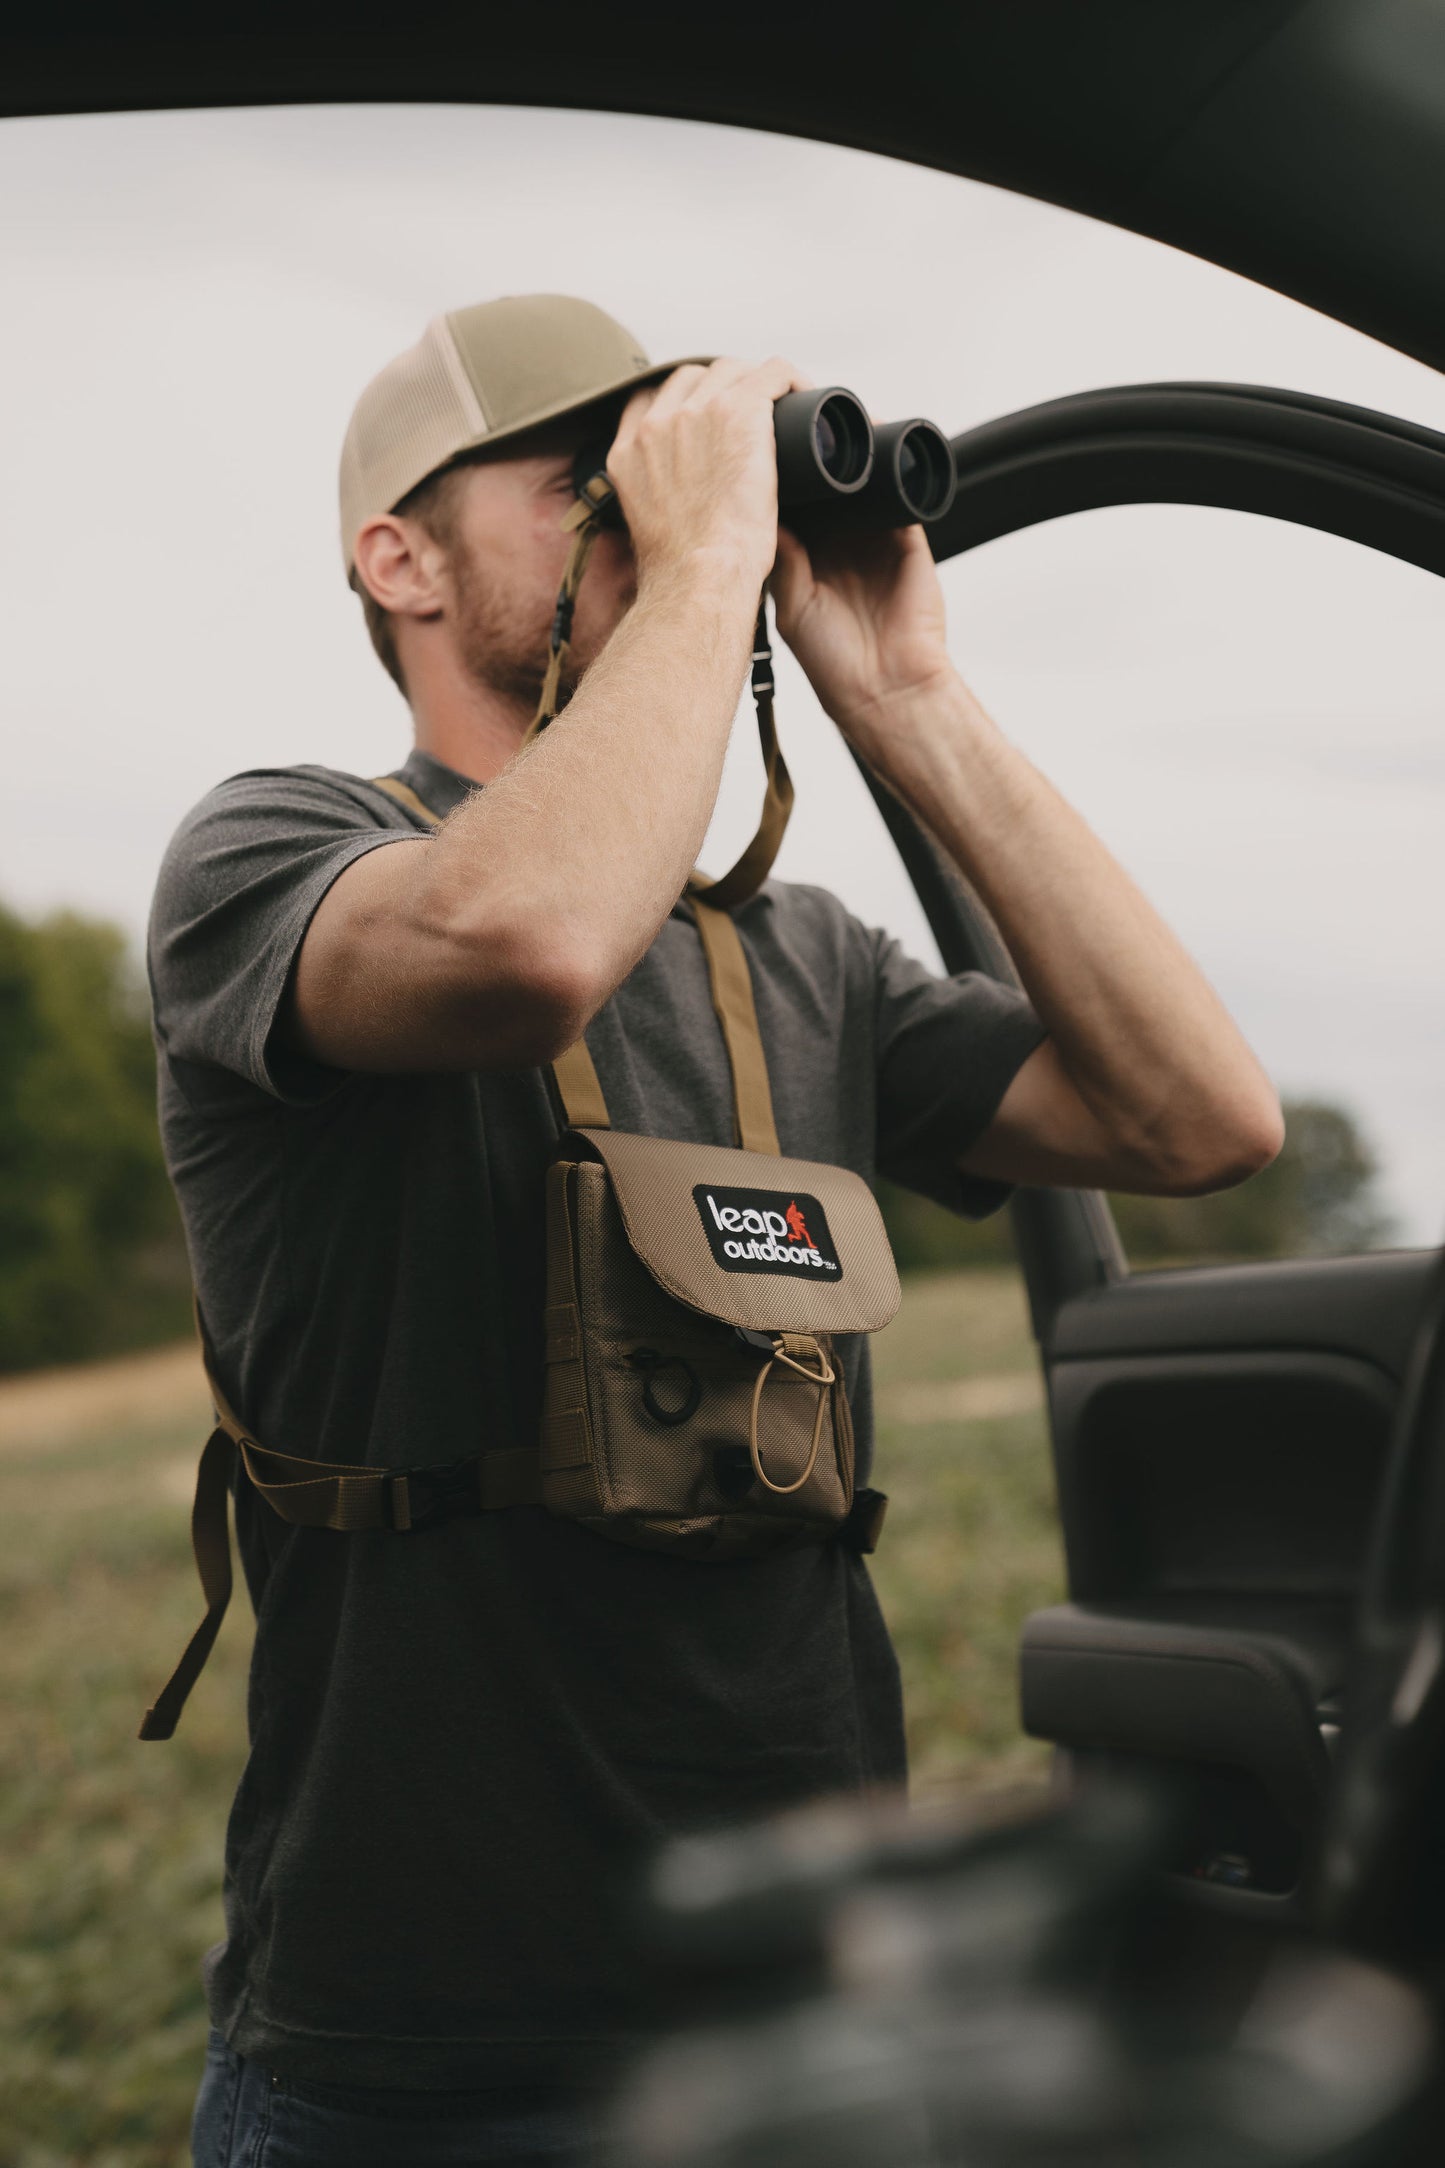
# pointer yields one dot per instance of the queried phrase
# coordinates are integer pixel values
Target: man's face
(506, 564)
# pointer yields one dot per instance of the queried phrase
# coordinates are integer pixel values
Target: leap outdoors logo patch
(767, 1230)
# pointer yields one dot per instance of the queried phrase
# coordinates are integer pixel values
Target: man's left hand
(864, 616)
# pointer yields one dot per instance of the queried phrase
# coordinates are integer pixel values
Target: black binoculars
(837, 473)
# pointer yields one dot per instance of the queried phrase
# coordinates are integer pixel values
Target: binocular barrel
(836, 472)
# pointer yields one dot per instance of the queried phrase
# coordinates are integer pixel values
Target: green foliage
(926, 1238)
(91, 1254)
(1318, 1198)
(110, 1851)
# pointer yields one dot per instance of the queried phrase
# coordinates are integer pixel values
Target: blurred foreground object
(878, 1989)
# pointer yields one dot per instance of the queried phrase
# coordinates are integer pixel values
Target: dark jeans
(247, 2117)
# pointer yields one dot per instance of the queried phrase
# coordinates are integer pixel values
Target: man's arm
(1145, 1082)
(491, 943)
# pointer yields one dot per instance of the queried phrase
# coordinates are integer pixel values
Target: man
(462, 1740)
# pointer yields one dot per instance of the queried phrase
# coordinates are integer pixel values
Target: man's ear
(400, 566)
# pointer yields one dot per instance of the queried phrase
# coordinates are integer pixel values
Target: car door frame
(1365, 476)
(1223, 1647)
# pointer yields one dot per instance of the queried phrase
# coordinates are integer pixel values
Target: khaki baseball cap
(478, 376)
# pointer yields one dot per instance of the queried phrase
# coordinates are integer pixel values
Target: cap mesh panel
(408, 421)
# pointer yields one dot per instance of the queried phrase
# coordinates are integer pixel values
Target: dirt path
(49, 1407)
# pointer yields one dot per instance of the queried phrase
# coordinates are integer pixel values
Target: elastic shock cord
(823, 1378)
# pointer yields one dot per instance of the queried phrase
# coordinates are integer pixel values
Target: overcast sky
(1250, 715)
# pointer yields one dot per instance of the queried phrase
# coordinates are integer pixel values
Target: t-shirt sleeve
(238, 887)
(948, 1049)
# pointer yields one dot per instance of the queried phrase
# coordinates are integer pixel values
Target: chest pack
(693, 1394)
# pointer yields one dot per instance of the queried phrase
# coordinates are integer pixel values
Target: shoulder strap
(406, 796)
(732, 997)
(211, 1543)
(577, 1080)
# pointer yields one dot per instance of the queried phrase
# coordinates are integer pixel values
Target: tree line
(93, 1261)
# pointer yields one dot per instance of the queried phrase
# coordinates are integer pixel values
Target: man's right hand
(696, 472)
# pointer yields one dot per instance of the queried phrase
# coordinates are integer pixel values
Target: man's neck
(469, 727)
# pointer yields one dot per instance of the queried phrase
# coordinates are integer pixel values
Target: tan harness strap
(580, 1088)
(732, 997)
(406, 796)
(316, 1494)
(329, 1494)
(211, 1542)
(578, 1085)
(333, 1494)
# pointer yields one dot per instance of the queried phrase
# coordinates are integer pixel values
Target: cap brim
(562, 407)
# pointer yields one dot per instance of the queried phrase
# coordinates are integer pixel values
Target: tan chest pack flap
(758, 1241)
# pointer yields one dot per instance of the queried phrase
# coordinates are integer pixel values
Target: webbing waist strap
(319, 1494)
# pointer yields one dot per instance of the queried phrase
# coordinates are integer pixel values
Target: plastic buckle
(864, 1525)
(444, 1492)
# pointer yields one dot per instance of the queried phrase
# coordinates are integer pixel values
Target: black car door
(1220, 1432)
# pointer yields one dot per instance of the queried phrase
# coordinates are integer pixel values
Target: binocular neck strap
(583, 522)
(747, 876)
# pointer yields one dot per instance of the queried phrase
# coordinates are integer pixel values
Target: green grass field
(110, 1851)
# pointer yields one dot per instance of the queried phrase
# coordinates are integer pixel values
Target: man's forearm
(592, 831)
(1145, 1039)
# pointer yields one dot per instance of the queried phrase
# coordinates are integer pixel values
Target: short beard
(499, 652)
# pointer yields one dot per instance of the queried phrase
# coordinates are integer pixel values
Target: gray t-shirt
(463, 1741)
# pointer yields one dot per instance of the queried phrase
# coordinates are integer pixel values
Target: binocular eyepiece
(836, 472)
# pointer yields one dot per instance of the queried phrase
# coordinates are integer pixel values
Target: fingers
(696, 381)
(674, 389)
(791, 580)
(768, 379)
(693, 461)
(776, 376)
